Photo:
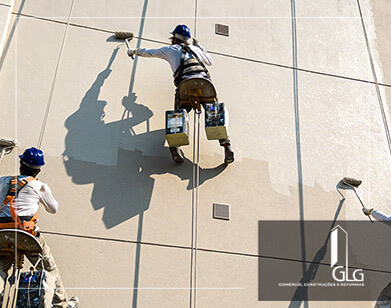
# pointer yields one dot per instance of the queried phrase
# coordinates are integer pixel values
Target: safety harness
(17, 222)
(191, 66)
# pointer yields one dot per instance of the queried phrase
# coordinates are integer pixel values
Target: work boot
(73, 302)
(176, 156)
(229, 154)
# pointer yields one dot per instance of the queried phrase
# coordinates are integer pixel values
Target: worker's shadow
(301, 293)
(119, 162)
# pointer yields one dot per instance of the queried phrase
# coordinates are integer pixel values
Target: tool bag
(177, 127)
(36, 289)
(16, 221)
(216, 121)
(192, 66)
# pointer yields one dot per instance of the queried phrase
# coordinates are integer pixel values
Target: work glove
(131, 52)
(195, 42)
(367, 211)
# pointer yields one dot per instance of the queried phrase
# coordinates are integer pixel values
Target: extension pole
(362, 204)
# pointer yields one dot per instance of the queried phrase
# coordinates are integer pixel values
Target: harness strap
(16, 187)
(189, 50)
(191, 65)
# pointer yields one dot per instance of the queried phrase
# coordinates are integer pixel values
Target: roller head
(7, 142)
(351, 182)
(123, 35)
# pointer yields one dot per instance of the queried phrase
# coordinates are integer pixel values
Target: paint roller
(6, 144)
(354, 183)
(127, 36)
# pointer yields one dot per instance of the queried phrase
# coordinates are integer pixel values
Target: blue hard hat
(33, 158)
(181, 32)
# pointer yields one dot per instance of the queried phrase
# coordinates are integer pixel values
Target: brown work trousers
(223, 142)
(60, 297)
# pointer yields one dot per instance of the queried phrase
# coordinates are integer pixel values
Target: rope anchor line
(194, 206)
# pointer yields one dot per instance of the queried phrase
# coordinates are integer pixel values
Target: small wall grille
(222, 29)
(220, 211)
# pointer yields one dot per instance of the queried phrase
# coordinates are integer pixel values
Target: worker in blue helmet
(32, 158)
(29, 194)
(177, 55)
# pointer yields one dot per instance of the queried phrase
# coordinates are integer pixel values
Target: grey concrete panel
(246, 187)
(373, 29)
(258, 134)
(259, 30)
(357, 125)
(42, 8)
(332, 9)
(29, 76)
(121, 202)
(252, 8)
(382, 17)
(3, 18)
(333, 45)
(143, 18)
(9, 94)
(379, 26)
(111, 274)
(325, 160)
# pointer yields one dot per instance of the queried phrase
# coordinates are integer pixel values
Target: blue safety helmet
(32, 158)
(181, 32)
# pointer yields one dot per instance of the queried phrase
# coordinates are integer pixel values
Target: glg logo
(341, 273)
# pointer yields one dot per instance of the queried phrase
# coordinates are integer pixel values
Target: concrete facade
(303, 99)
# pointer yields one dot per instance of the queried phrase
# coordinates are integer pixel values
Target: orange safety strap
(28, 226)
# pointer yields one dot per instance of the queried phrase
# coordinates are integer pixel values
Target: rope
(194, 208)
(195, 19)
(192, 215)
(45, 119)
(380, 100)
(194, 194)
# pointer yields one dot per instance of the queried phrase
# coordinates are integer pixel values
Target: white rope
(194, 208)
(192, 215)
(45, 119)
(195, 19)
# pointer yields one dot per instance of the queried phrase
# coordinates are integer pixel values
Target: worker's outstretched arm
(47, 199)
(378, 215)
(161, 53)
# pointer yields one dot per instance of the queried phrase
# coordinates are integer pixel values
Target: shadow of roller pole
(141, 215)
(7, 40)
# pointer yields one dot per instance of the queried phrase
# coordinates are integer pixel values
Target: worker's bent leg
(228, 152)
(224, 142)
(5, 265)
(60, 296)
(176, 156)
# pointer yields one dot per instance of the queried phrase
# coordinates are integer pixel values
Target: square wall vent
(220, 211)
(222, 29)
